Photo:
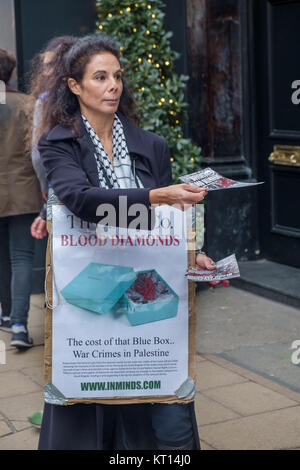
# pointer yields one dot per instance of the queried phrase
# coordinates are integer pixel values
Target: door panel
(278, 128)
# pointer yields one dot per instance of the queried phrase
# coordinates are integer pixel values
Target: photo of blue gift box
(99, 287)
(159, 309)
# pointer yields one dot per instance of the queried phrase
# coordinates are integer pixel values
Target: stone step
(274, 281)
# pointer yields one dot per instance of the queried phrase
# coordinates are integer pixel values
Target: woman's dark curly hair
(61, 104)
(40, 82)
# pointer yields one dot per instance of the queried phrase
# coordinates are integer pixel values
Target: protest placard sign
(120, 318)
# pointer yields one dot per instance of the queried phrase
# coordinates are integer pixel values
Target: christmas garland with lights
(148, 62)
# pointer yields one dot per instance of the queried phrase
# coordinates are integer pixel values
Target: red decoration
(144, 286)
(214, 284)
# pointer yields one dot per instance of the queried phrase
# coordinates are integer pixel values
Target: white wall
(7, 29)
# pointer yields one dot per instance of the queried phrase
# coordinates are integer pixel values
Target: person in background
(20, 202)
(41, 69)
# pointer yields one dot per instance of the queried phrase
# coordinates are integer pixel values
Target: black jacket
(71, 168)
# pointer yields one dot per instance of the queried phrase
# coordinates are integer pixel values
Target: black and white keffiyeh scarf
(119, 175)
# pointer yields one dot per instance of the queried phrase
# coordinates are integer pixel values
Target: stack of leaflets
(227, 268)
(213, 180)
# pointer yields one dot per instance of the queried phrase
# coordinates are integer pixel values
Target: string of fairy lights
(151, 58)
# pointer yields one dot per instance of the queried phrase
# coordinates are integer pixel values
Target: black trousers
(110, 427)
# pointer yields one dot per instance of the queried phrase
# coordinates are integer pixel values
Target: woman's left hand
(204, 262)
(38, 228)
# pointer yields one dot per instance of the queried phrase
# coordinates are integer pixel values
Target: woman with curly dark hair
(93, 153)
(41, 73)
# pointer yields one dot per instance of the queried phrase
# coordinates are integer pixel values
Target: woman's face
(101, 87)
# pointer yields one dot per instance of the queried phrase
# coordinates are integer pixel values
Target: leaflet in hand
(227, 268)
(213, 180)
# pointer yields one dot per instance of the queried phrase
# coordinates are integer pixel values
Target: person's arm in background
(38, 227)
(202, 260)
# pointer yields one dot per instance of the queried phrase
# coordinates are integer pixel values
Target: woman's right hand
(183, 195)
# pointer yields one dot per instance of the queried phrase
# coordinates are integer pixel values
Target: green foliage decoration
(148, 62)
